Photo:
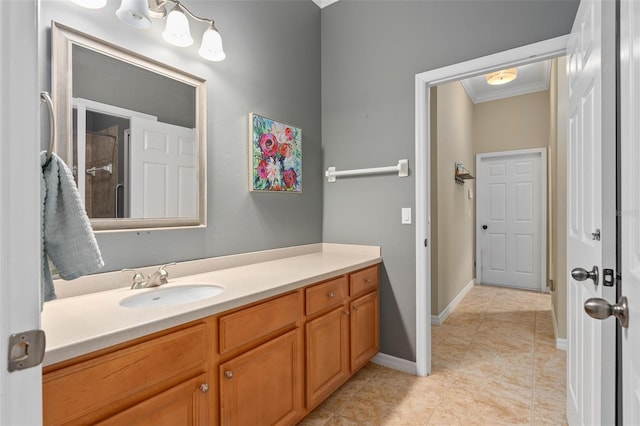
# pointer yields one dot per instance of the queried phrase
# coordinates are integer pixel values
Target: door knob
(581, 274)
(484, 226)
(601, 309)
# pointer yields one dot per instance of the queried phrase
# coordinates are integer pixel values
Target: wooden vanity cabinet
(135, 380)
(326, 339)
(270, 362)
(365, 329)
(261, 375)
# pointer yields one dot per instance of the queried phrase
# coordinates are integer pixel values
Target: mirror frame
(63, 39)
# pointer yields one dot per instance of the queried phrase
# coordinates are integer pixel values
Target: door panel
(630, 206)
(590, 175)
(511, 205)
(164, 170)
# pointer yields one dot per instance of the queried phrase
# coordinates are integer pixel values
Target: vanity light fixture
(138, 14)
(502, 77)
(135, 13)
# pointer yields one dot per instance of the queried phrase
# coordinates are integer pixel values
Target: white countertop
(82, 324)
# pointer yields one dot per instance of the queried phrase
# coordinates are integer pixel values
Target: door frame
(535, 52)
(543, 209)
(20, 239)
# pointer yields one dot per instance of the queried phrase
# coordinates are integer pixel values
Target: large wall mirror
(133, 130)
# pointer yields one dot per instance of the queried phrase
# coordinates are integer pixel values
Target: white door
(511, 212)
(20, 391)
(630, 207)
(163, 170)
(591, 194)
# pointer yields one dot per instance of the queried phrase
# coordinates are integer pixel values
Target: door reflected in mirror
(134, 132)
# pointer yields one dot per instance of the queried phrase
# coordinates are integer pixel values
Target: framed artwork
(275, 163)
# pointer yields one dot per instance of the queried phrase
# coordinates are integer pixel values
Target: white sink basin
(168, 296)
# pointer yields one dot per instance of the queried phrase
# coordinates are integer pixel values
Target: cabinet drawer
(107, 382)
(326, 295)
(259, 322)
(363, 281)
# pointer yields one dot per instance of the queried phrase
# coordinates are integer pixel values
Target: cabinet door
(182, 405)
(365, 330)
(327, 343)
(265, 385)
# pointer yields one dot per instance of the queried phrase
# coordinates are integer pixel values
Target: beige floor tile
(317, 417)
(494, 362)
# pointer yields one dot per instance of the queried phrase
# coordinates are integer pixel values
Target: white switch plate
(406, 215)
(470, 193)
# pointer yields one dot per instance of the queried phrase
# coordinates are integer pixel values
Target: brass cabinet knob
(228, 374)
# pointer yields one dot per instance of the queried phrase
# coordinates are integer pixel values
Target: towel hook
(46, 98)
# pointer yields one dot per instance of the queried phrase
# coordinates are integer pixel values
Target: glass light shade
(502, 76)
(177, 30)
(211, 47)
(135, 13)
(90, 4)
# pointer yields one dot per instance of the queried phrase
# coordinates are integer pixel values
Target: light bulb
(177, 30)
(90, 4)
(211, 47)
(134, 13)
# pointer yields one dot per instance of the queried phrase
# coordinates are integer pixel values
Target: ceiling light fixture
(138, 14)
(502, 77)
(90, 4)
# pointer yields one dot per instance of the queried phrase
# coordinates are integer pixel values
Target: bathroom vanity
(266, 353)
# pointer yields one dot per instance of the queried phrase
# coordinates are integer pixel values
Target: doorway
(424, 81)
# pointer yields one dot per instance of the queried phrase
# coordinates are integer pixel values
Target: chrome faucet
(157, 278)
(160, 276)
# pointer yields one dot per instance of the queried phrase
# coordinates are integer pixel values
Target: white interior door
(164, 170)
(511, 226)
(591, 186)
(630, 206)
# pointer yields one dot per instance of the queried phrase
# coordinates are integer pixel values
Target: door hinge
(26, 349)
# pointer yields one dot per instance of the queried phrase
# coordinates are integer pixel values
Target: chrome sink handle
(138, 280)
(159, 277)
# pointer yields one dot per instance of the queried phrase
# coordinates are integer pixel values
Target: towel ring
(46, 98)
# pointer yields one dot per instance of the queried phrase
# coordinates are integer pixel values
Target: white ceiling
(531, 78)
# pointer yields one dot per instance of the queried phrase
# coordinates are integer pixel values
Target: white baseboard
(560, 343)
(395, 363)
(440, 319)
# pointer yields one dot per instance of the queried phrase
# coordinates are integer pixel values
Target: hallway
(494, 363)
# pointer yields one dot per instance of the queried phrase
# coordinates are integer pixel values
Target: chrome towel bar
(46, 98)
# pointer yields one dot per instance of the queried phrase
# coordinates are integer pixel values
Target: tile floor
(494, 363)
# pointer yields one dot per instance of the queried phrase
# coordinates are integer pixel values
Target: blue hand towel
(67, 236)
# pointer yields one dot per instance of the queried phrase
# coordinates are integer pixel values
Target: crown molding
(324, 3)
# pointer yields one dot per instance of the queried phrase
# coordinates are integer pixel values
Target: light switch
(470, 193)
(406, 215)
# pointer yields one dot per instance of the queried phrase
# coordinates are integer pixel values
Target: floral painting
(276, 155)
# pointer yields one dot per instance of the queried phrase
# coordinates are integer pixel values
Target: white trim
(324, 3)
(561, 344)
(395, 363)
(111, 109)
(543, 210)
(20, 247)
(440, 319)
(523, 55)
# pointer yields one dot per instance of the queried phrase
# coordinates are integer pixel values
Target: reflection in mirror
(133, 131)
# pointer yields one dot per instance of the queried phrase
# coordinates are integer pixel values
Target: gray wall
(272, 68)
(371, 52)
